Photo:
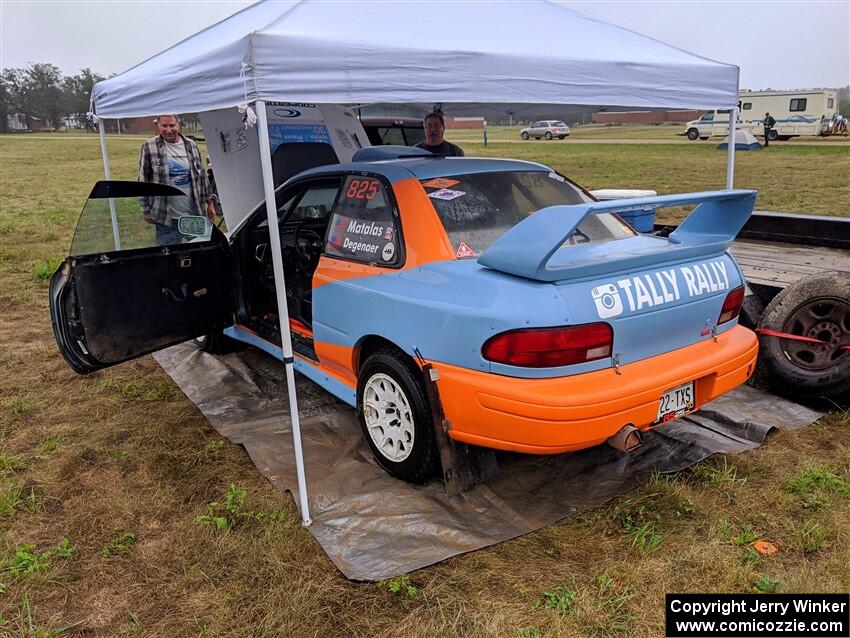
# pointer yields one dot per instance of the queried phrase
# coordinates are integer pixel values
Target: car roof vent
(390, 152)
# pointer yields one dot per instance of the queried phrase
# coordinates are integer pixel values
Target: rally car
(546, 322)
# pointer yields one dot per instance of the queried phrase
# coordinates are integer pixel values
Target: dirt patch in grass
(122, 452)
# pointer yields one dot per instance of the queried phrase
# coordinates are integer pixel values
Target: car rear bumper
(549, 416)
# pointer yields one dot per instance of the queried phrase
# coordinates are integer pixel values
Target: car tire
(816, 306)
(772, 135)
(751, 311)
(524, 135)
(548, 135)
(692, 134)
(214, 342)
(560, 137)
(402, 440)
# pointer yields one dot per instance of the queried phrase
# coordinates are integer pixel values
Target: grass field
(111, 484)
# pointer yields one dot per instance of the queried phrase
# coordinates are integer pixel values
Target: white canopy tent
(466, 55)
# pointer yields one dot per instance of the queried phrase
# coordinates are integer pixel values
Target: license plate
(676, 402)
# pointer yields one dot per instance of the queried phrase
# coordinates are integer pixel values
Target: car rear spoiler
(527, 249)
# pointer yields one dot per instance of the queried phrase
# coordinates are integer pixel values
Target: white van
(796, 113)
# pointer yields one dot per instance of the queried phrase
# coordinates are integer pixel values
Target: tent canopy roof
(426, 52)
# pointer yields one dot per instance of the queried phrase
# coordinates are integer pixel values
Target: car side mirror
(194, 226)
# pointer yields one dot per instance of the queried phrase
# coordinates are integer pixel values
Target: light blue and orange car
(545, 321)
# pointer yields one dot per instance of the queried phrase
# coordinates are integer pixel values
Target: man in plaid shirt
(169, 158)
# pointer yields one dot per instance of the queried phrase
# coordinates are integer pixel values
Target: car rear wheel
(548, 135)
(816, 307)
(692, 134)
(524, 135)
(395, 416)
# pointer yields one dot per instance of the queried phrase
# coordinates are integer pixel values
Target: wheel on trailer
(704, 138)
(772, 135)
(751, 312)
(396, 418)
(214, 342)
(692, 134)
(524, 135)
(548, 135)
(817, 307)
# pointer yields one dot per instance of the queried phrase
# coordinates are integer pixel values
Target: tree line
(41, 93)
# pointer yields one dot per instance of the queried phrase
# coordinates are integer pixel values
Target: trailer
(797, 269)
(797, 113)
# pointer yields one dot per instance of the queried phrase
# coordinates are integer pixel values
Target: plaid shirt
(153, 167)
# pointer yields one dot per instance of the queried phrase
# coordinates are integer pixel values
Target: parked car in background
(399, 131)
(493, 298)
(546, 129)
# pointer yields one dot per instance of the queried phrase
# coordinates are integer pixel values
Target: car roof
(380, 120)
(427, 167)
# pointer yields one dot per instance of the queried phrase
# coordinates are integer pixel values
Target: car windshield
(478, 208)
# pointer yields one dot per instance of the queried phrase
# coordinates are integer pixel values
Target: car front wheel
(693, 134)
(524, 135)
(214, 342)
(395, 416)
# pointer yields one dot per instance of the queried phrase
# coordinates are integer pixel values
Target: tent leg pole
(282, 310)
(730, 150)
(107, 171)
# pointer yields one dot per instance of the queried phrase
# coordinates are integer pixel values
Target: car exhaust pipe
(628, 439)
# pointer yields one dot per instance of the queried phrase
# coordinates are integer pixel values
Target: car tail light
(732, 305)
(550, 347)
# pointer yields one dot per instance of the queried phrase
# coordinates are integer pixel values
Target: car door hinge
(185, 262)
(615, 361)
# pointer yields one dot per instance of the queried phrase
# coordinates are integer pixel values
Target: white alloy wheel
(388, 417)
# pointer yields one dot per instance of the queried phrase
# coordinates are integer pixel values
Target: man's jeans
(168, 235)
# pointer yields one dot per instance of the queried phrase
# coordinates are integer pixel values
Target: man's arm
(207, 197)
(145, 175)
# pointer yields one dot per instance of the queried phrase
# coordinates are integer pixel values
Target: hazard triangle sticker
(464, 251)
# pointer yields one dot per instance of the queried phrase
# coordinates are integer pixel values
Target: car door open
(168, 282)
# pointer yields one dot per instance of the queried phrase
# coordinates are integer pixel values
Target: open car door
(130, 286)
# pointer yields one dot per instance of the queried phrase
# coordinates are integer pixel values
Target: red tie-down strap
(785, 335)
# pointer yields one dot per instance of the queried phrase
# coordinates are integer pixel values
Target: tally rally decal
(659, 288)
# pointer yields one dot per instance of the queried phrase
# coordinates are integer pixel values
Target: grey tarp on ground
(373, 526)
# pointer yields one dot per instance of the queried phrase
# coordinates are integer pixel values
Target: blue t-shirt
(180, 176)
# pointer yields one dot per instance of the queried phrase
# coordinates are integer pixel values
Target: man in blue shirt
(169, 158)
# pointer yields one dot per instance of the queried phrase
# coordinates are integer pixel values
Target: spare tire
(817, 307)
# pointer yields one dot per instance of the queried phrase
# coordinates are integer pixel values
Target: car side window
(364, 226)
(315, 202)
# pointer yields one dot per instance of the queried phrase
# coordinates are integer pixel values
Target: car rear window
(478, 208)
(561, 124)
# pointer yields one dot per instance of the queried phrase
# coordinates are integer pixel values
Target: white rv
(796, 113)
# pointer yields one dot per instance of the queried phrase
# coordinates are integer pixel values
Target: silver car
(546, 129)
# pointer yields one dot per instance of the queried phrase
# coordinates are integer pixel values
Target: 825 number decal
(362, 189)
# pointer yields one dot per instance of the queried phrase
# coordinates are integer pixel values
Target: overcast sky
(784, 45)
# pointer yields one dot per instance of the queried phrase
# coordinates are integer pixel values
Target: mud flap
(463, 465)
